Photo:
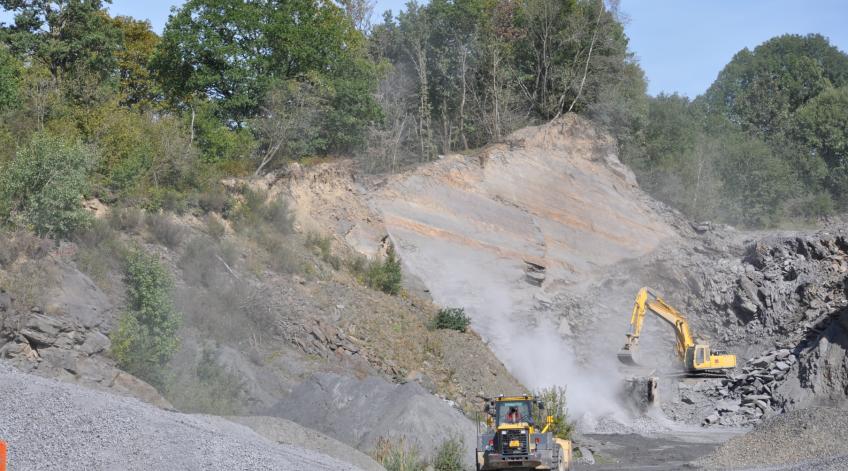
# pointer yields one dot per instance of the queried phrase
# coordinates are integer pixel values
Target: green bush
(449, 455)
(555, 406)
(398, 456)
(385, 275)
(44, 185)
(453, 318)
(146, 336)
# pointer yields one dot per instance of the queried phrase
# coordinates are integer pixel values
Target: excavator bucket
(626, 357)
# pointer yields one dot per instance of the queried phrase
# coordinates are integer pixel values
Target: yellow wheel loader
(511, 439)
(697, 358)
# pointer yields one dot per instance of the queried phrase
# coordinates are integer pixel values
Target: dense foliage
(43, 186)
(766, 143)
(240, 88)
(146, 336)
(453, 318)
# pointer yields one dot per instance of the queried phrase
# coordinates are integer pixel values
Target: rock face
(361, 412)
(67, 339)
(51, 425)
(497, 232)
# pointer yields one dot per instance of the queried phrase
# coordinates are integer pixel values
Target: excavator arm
(646, 301)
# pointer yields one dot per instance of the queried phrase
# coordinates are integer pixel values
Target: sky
(681, 44)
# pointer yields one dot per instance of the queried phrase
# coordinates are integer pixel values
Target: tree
(137, 84)
(234, 52)
(10, 78)
(289, 123)
(44, 185)
(761, 89)
(67, 36)
(146, 336)
(820, 126)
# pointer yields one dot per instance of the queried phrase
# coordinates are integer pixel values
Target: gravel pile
(802, 439)
(53, 425)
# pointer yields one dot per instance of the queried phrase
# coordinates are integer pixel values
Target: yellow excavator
(697, 358)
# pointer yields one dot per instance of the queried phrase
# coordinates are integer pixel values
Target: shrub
(323, 244)
(398, 456)
(385, 275)
(44, 185)
(555, 406)
(126, 219)
(208, 388)
(96, 233)
(277, 214)
(202, 261)
(146, 336)
(453, 318)
(165, 230)
(449, 455)
(23, 242)
(214, 227)
(214, 201)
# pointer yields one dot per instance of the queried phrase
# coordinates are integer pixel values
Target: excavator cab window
(700, 355)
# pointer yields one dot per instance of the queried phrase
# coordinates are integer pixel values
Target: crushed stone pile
(812, 438)
(746, 397)
(51, 425)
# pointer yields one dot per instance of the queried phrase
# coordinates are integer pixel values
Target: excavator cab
(512, 440)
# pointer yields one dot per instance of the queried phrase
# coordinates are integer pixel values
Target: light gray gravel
(50, 425)
(813, 438)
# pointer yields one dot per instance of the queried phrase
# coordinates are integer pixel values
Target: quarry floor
(661, 451)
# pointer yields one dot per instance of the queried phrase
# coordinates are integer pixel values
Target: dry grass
(165, 230)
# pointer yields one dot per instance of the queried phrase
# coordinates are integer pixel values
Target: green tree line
(136, 118)
(766, 143)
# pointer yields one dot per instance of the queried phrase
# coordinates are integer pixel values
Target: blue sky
(681, 44)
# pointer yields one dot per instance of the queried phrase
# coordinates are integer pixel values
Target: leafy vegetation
(453, 318)
(146, 336)
(239, 88)
(398, 456)
(763, 145)
(449, 455)
(385, 274)
(553, 399)
(43, 186)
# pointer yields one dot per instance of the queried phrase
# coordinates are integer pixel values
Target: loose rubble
(812, 438)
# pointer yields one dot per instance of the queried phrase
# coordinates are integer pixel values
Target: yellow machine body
(696, 357)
